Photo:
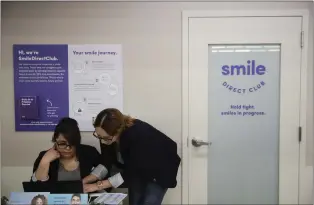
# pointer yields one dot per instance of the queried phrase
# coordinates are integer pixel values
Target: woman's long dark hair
(70, 130)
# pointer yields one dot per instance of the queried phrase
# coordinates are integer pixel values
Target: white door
(244, 101)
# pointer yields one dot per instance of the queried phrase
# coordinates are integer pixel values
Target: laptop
(59, 187)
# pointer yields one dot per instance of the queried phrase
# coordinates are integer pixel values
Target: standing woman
(149, 158)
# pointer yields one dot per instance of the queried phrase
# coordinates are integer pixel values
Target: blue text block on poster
(40, 86)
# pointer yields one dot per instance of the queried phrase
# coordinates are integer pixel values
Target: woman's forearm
(113, 181)
(41, 173)
(98, 173)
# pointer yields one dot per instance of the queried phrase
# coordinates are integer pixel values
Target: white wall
(0, 117)
(151, 37)
(0, 158)
(312, 57)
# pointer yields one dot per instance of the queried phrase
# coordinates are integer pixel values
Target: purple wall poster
(56, 81)
(40, 86)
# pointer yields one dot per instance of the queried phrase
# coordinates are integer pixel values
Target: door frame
(305, 172)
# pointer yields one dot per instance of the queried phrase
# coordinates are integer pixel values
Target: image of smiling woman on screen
(39, 200)
(76, 199)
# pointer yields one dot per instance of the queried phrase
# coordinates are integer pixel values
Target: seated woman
(68, 159)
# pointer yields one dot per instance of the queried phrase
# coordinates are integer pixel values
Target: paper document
(110, 198)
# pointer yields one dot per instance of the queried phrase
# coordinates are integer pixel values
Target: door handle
(198, 143)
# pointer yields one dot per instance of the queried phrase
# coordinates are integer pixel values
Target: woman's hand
(90, 188)
(51, 155)
(43, 168)
(89, 179)
(96, 187)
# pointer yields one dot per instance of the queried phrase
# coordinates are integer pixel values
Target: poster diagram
(95, 81)
(55, 81)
